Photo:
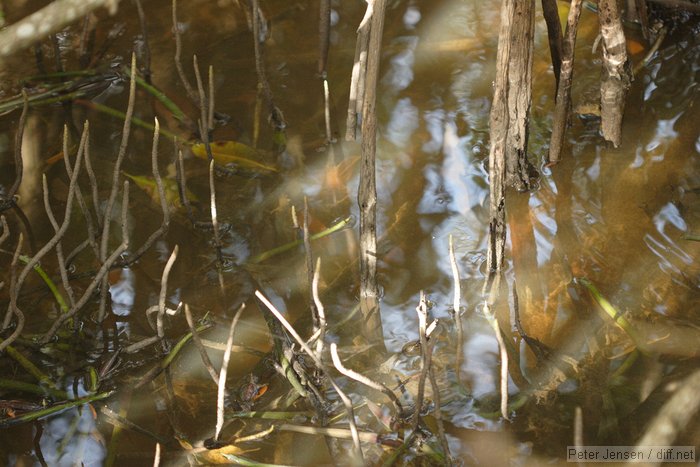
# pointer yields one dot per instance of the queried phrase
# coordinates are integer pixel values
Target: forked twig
(200, 346)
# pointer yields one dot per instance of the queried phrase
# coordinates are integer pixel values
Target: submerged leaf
(170, 187)
(235, 153)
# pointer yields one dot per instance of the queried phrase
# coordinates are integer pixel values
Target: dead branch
(367, 193)
(616, 71)
(50, 19)
(563, 102)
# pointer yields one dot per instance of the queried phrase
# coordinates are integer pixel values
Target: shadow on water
(615, 218)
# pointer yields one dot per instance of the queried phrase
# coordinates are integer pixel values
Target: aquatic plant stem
(359, 458)
(221, 389)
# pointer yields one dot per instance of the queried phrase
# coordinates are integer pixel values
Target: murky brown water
(616, 217)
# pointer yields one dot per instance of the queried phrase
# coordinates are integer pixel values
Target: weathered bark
(554, 35)
(520, 94)
(509, 117)
(616, 77)
(498, 124)
(563, 105)
(359, 70)
(50, 19)
(367, 194)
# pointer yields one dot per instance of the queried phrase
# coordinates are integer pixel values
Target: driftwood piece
(563, 105)
(520, 93)
(50, 19)
(616, 77)
(367, 193)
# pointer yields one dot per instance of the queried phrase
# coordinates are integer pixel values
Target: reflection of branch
(8, 200)
(455, 309)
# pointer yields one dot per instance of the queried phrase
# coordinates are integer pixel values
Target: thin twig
(13, 292)
(126, 131)
(360, 378)
(101, 273)
(9, 200)
(46, 248)
(319, 309)
(161, 299)
(182, 183)
(59, 246)
(200, 346)
(178, 62)
(146, 48)
(346, 401)
(422, 311)
(160, 189)
(222, 374)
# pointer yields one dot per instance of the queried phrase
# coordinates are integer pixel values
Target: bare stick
(367, 193)
(165, 225)
(359, 72)
(550, 12)
(210, 107)
(616, 72)
(319, 309)
(126, 131)
(309, 265)
(101, 273)
(360, 378)
(215, 220)
(13, 284)
(563, 101)
(93, 185)
(222, 374)
(92, 236)
(487, 310)
(59, 246)
(5, 230)
(50, 19)
(178, 62)
(161, 299)
(456, 309)
(146, 48)
(181, 179)
(276, 118)
(156, 458)
(200, 346)
(9, 200)
(324, 34)
(46, 248)
(422, 310)
(346, 401)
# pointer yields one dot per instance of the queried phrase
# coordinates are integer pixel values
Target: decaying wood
(563, 104)
(50, 19)
(520, 93)
(367, 194)
(509, 117)
(616, 77)
(359, 70)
